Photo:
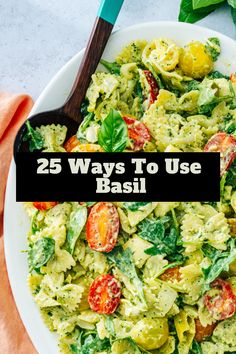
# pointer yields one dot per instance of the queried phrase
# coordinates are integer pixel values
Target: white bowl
(16, 223)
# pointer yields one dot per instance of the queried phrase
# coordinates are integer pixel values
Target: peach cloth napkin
(13, 337)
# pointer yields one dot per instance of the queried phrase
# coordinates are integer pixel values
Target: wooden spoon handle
(98, 39)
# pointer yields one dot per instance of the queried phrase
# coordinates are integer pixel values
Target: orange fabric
(13, 337)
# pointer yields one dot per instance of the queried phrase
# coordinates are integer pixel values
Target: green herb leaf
(113, 134)
(123, 261)
(232, 3)
(192, 85)
(109, 324)
(84, 125)
(113, 68)
(34, 138)
(135, 206)
(220, 263)
(196, 348)
(233, 14)
(164, 242)
(188, 14)
(217, 75)
(91, 345)
(213, 47)
(42, 250)
(76, 224)
(231, 175)
(198, 4)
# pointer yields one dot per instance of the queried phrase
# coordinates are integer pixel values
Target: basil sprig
(113, 134)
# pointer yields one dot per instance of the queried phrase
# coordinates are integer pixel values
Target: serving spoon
(70, 114)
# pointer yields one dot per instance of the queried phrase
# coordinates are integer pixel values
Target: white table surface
(37, 37)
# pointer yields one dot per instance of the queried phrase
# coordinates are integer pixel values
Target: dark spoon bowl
(56, 116)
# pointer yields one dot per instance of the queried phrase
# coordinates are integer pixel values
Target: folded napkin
(13, 337)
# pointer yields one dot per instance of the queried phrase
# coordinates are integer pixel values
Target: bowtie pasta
(139, 277)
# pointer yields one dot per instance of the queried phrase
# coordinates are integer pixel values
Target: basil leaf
(135, 206)
(192, 85)
(113, 68)
(123, 261)
(231, 175)
(213, 47)
(42, 250)
(220, 263)
(233, 14)
(113, 134)
(34, 138)
(232, 3)
(188, 14)
(198, 4)
(76, 224)
(91, 345)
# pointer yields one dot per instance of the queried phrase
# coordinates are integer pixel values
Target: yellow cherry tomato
(194, 60)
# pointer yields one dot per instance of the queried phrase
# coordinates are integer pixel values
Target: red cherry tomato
(102, 227)
(226, 145)
(203, 332)
(138, 132)
(220, 300)
(71, 143)
(44, 205)
(171, 274)
(104, 294)
(154, 89)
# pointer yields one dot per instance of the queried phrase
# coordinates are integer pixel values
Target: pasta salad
(143, 277)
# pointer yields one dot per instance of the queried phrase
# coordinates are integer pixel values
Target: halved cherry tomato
(138, 132)
(232, 225)
(102, 227)
(233, 78)
(203, 332)
(104, 294)
(71, 143)
(226, 145)
(154, 89)
(88, 148)
(220, 300)
(171, 274)
(44, 205)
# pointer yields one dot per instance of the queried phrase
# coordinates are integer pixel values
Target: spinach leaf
(134, 206)
(76, 224)
(164, 242)
(217, 75)
(232, 3)
(34, 138)
(34, 225)
(196, 348)
(198, 4)
(188, 14)
(113, 68)
(113, 134)
(123, 261)
(40, 253)
(91, 345)
(213, 47)
(220, 263)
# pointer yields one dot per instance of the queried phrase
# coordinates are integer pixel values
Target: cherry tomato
(71, 143)
(102, 227)
(220, 300)
(44, 205)
(233, 78)
(154, 89)
(203, 332)
(226, 145)
(171, 274)
(104, 294)
(88, 148)
(138, 132)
